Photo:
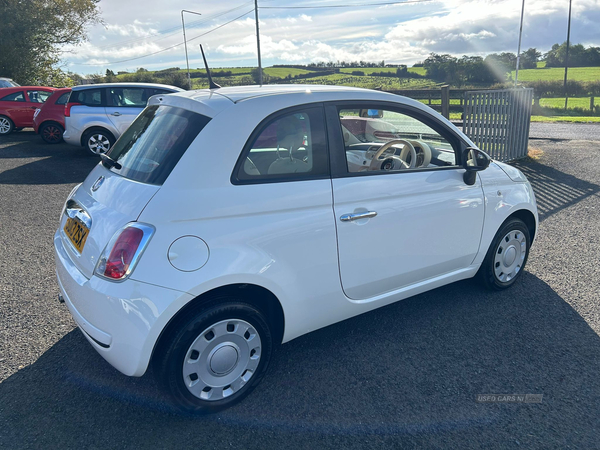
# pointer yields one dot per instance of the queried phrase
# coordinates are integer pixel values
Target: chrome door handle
(357, 216)
(116, 114)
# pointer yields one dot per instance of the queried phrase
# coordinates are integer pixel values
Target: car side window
(124, 97)
(87, 97)
(384, 140)
(38, 96)
(14, 97)
(288, 147)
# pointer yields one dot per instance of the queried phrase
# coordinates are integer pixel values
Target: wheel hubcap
(51, 133)
(4, 126)
(510, 255)
(222, 359)
(98, 143)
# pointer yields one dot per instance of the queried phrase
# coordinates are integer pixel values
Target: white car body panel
(279, 236)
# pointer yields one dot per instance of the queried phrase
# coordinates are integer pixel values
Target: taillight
(68, 107)
(122, 253)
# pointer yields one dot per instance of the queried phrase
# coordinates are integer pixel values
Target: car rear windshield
(154, 143)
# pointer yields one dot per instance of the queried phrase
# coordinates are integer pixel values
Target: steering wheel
(375, 162)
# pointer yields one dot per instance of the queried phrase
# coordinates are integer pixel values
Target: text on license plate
(76, 232)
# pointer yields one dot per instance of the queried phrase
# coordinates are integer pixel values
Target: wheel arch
(92, 129)
(258, 296)
(528, 218)
(48, 122)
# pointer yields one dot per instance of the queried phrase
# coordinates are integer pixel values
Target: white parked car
(97, 114)
(225, 222)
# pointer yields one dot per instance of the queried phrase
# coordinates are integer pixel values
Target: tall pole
(185, 45)
(567, 57)
(260, 77)
(519, 49)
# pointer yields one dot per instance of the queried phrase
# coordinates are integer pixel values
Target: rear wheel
(6, 126)
(51, 133)
(98, 141)
(507, 256)
(214, 357)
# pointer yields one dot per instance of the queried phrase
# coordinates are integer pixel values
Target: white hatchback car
(225, 222)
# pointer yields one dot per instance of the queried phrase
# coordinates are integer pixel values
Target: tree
(34, 31)
(254, 73)
(529, 59)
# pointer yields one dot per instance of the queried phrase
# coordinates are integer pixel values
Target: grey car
(96, 115)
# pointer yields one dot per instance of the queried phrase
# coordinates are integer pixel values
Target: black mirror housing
(474, 160)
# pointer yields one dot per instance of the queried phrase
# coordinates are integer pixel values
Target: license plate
(76, 232)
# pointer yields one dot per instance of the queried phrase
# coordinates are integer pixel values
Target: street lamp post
(185, 44)
(519, 49)
(260, 75)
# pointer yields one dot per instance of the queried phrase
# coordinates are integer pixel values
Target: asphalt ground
(569, 131)
(407, 375)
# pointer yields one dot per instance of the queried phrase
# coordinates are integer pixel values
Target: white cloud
(135, 29)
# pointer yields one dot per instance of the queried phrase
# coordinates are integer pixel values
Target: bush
(358, 73)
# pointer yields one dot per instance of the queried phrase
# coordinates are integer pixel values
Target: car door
(124, 105)
(35, 99)
(405, 217)
(17, 108)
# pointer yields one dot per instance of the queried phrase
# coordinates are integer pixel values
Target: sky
(298, 33)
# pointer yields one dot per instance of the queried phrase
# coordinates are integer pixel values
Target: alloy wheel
(98, 143)
(4, 125)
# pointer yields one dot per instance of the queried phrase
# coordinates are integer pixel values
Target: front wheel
(507, 256)
(98, 141)
(215, 357)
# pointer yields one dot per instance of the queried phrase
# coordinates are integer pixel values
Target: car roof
(148, 85)
(239, 93)
(21, 88)
(212, 101)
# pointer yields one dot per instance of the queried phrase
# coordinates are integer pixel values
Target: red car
(17, 105)
(49, 119)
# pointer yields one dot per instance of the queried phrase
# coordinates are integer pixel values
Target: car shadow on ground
(408, 373)
(53, 164)
(554, 190)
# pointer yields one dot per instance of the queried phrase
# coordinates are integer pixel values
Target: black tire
(500, 247)
(51, 133)
(175, 350)
(7, 126)
(97, 141)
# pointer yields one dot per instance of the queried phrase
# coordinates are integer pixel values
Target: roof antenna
(211, 83)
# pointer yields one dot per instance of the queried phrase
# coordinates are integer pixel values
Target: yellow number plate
(77, 233)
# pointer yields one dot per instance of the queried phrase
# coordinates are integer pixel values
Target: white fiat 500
(225, 222)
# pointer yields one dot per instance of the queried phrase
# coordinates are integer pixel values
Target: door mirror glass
(473, 161)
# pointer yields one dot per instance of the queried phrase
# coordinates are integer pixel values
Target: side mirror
(473, 161)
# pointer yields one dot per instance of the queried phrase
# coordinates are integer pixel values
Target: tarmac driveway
(405, 375)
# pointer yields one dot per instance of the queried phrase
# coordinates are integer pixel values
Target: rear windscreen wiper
(108, 162)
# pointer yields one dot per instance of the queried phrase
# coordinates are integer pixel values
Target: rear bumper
(71, 135)
(118, 319)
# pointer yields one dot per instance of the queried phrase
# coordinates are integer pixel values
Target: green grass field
(385, 83)
(282, 72)
(558, 73)
(574, 102)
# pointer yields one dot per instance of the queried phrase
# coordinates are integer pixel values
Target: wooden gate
(497, 121)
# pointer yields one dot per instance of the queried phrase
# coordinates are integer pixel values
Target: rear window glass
(155, 142)
(88, 97)
(62, 100)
